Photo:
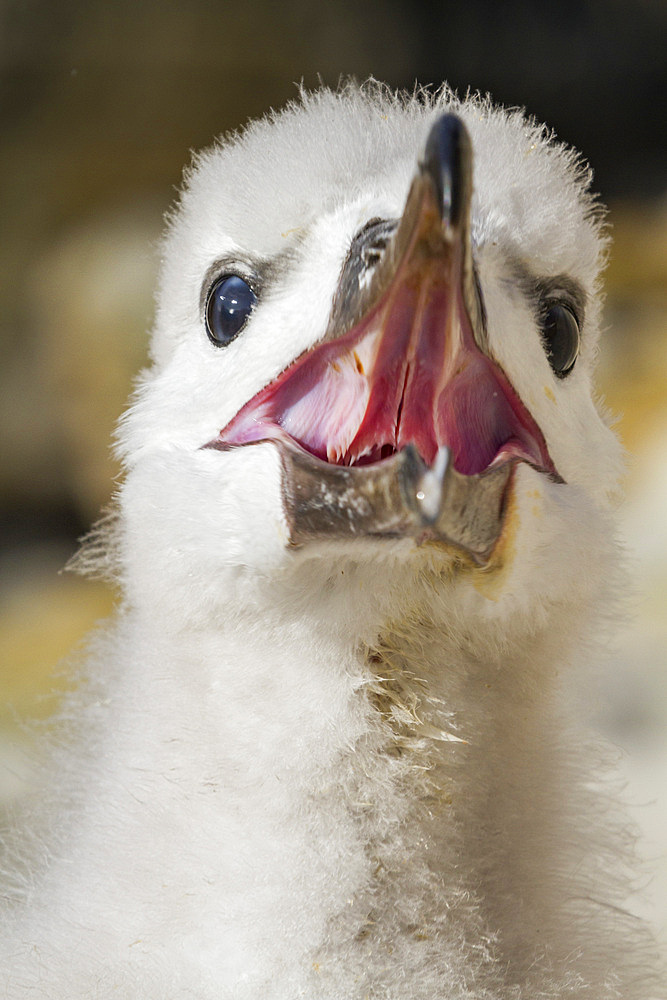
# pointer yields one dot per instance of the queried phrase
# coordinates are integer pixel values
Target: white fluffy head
(292, 191)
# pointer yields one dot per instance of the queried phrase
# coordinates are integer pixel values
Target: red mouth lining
(409, 373)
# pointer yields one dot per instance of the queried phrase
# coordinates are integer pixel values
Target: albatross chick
(365, 535)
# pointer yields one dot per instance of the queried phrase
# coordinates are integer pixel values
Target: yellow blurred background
(99, 106)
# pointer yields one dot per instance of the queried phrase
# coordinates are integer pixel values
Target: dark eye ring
(561, 338)
(229, 302)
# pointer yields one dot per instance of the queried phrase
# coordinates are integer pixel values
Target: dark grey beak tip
(448, 161)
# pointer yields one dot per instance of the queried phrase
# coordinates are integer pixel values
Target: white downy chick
(366, 528)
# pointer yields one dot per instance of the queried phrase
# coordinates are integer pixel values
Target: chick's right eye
(228, 305)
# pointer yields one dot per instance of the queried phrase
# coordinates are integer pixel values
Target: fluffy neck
(344, 782)
(323, 796)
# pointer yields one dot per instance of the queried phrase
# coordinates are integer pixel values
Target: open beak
(398, 422)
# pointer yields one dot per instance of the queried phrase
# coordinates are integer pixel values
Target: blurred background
(100, 105)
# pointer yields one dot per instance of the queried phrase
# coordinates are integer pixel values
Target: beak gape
(399, 422)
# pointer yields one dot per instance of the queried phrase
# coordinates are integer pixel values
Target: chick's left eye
(560, 336)
(228, 305)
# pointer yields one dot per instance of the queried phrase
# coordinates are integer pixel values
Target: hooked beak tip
(447, 161)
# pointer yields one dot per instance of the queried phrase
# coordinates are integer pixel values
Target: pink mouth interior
(409, 373)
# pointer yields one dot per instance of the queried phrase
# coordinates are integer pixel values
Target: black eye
(560, 335)
(228, 305)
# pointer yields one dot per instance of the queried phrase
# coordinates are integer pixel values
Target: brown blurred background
(100, 103)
